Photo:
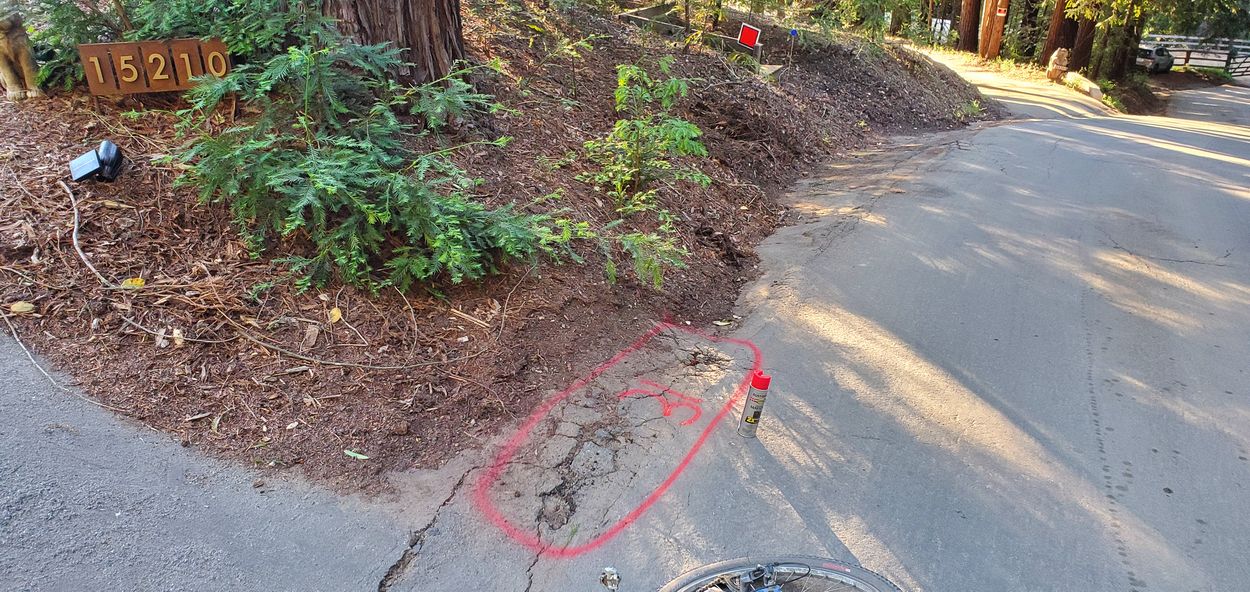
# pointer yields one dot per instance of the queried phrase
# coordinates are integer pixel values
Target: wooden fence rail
(1230, 55)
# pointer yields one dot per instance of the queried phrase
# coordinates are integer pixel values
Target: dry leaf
(310, 337)
(133, 283)
(336, 314)
(161, 342)
(21, 307)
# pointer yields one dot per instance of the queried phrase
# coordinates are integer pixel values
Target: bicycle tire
(851, 576)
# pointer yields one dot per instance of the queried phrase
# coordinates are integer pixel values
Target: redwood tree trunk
(969, 25)
(1061, 33)
(1082, 46)
(1122, 56)
(429, 31)
(896, 20)
(987, 22)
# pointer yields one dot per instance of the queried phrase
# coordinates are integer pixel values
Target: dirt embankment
(217, 350)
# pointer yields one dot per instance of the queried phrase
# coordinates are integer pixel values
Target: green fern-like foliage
(637, 155)
(325, 162)
(639, 150)
(250, 28)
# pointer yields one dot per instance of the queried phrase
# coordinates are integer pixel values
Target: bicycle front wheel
(789, 573)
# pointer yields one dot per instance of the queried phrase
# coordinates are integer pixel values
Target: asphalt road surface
(1008, 358)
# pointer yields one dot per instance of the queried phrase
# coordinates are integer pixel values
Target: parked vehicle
(1155, 58)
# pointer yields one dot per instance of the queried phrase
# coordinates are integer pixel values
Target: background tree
(1082, 44)
(1060, 33)
(1029, 30)
(1210, 19)
(969, 25)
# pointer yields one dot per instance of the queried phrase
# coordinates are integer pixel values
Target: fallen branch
(73, 201)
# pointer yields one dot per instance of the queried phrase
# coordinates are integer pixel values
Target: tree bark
(428, 30)
(987, 22)
(896, 20)
(1122, 55)
(992, 27)
(969, 24)
(1083, 45)
(1067, 33)
(1061, 33)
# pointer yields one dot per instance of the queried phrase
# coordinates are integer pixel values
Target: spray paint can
(754, 406)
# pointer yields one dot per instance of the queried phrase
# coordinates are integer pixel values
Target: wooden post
(992, 33)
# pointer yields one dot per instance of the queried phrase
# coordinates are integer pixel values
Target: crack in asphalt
(1143, 257)
(529, 571)
(416, 540)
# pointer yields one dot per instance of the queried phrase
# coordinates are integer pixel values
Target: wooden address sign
(151, 66)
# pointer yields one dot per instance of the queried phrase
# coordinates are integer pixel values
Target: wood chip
(310, 337)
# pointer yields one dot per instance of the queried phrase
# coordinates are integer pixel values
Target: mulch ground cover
(218, 349)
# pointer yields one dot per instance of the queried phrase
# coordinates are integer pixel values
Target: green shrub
(59, 27)
(1213, 75)
(969, 110)
(1111, 95)
(637, 152)
(637, 155)
(252, 29)
(326, 162)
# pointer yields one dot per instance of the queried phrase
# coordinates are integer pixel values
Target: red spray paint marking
(662, 394)
(481, 493)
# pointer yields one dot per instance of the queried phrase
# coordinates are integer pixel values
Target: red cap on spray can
(760, 381)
